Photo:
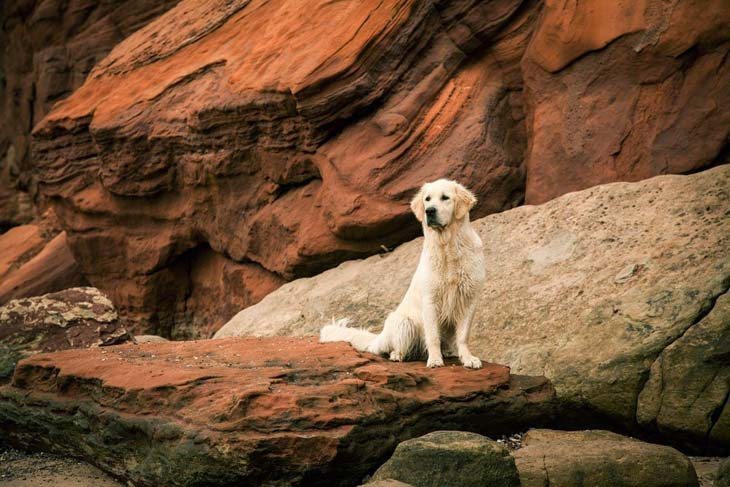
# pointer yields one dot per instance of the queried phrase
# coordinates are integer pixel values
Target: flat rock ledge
(251, 411)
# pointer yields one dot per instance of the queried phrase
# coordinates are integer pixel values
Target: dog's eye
(444, 197)
(428, 198)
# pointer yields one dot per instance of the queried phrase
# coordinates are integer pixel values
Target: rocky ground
(23, 469)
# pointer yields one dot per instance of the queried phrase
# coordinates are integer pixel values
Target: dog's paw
(396, 356)
(435, 362)
(471, 362)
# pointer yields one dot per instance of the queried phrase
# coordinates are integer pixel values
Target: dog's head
(440, 203)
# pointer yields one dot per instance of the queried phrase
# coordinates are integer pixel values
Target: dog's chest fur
(457, 275)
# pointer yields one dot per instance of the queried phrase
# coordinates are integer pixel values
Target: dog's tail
(339, 331)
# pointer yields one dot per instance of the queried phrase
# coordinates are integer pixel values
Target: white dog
(438, 307)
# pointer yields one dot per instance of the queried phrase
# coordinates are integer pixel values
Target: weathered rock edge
(278, 411)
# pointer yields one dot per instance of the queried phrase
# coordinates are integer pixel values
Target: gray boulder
(445, 458)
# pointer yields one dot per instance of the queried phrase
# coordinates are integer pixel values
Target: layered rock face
(212, 152)
(277, 411)
(212, 147)
(47, 49)
(618, 294)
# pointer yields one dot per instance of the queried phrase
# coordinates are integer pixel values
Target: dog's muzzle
(432, 218)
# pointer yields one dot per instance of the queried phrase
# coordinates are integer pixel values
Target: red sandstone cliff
(229, 146)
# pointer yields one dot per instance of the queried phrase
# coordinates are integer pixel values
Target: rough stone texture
(599, 459)
(275, 411)
(692, 375)
(149, 339)
(74, 318)
(46, 50)
(21, 469)
(451, 458)
(52, 269)
(277, 152)
(707, 469)
(723, 474)
(588, 289)
(622, 91)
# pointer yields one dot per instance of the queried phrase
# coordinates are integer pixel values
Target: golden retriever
(436, 312)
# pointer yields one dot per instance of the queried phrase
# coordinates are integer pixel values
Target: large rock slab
(73, 318)
(250, 411)
(588, 289)
(451, 458)
(18, 245)
(601, 459)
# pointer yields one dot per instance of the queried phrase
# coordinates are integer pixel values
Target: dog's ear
(464, 200)
(417, 205)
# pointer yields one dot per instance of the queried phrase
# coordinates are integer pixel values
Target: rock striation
(618, 294)
(200, 147)
(48, 48)
(251, 411)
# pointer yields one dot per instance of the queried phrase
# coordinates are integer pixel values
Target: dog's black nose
(431, 211)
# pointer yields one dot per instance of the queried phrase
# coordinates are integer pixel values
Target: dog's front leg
(431, 334)
(462, 339)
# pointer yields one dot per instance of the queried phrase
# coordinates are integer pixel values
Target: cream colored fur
(436, 312)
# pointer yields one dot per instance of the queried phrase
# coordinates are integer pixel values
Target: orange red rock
(278, 411)
(285, 137)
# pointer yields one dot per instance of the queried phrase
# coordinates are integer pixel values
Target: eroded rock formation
(622, 91)
(218, 151)
(46, 50)
(277, 152)
(35, 259)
